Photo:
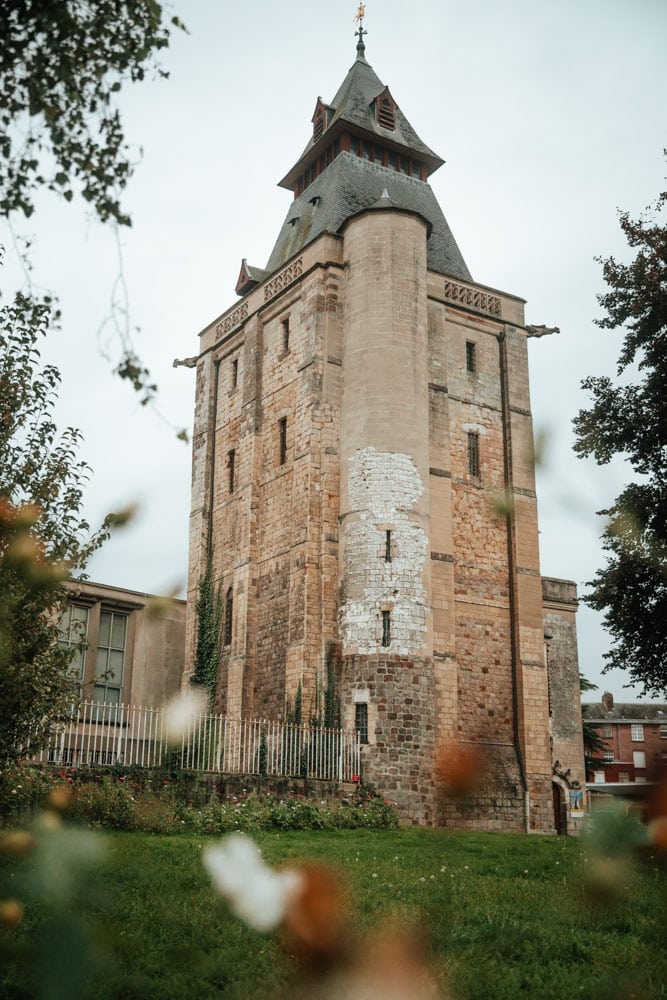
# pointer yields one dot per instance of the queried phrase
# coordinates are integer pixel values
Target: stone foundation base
(398, 760)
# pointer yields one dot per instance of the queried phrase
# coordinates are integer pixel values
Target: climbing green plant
(208, 611)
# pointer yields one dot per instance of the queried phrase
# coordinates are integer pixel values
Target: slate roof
(352, 104)
(619, 713)
(348, 186)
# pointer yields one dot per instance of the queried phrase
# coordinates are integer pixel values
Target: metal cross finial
(359, 19)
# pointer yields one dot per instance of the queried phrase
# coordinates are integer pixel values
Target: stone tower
(363, 480)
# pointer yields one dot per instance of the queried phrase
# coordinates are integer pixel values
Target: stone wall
(560, 631)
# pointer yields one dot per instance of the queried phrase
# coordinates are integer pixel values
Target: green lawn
(503, 916)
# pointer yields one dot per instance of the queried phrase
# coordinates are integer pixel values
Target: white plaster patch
(383, 489)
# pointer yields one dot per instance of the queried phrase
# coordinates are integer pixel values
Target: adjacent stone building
(363, 484)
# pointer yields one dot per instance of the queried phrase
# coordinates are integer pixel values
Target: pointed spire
(360, 32)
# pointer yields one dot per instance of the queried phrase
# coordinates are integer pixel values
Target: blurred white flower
(182, 712)
(255, 893)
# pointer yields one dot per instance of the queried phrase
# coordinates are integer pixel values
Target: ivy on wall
(208, 611)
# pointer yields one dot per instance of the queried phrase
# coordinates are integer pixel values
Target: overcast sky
(550, 115)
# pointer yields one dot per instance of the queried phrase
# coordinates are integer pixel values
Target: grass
(502, 917)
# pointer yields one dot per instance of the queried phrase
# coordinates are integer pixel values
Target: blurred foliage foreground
(396, 914)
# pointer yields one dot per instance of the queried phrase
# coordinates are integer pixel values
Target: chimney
(608, 701)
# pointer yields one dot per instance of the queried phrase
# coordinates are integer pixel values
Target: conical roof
(354, 105)
(331, 189)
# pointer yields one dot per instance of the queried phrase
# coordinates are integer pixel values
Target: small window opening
(229, 612)
(285, 329)
(471, 356)
(473, 453)
(282, 440)
(386, 114)
(387, 546)
(386, 628)
(361, 721)
(235, 373)
(231, 468)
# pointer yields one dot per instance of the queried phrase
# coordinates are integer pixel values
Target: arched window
(229, 613)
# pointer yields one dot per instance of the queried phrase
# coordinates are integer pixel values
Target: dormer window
(385, 110)
(321, 118)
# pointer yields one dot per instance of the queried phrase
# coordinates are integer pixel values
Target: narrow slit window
(282, 441)
(387, 546)
(361, 721)
(285, 329)
(386, 628)
(473, 454)
(471, 356)
(231, 469)
(229, 613)
(235, 373)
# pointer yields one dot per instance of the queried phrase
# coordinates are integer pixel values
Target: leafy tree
(62, 65)
(43, 537)
(594, 744)
(629, 418)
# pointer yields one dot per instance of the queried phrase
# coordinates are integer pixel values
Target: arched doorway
(560, 809)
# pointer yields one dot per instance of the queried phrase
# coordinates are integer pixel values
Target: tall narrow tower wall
(385, 622)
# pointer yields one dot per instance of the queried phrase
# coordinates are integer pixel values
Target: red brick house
(635, 739)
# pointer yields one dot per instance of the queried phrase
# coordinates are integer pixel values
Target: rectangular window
(235, 373)
(285, 328)
(471, 356)
(639, 758)
(663, 732)
(473, 454)
(386, 628)
(624, 776)
(73, 634)
(608, 756)
(361, 721)
(607, 732)
(599, 777)
(387, 546)
(229, 615)
(110, 657)
(231, 468)
(637, 734)
(282, 440)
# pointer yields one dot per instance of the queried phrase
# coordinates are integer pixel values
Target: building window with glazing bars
(110, 657)
(73, 634)
(471, 356)
(637, 733)
(235, 372)
(361, 721)
(473, 454)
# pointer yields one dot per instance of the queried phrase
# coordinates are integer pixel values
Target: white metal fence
(102, 734)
